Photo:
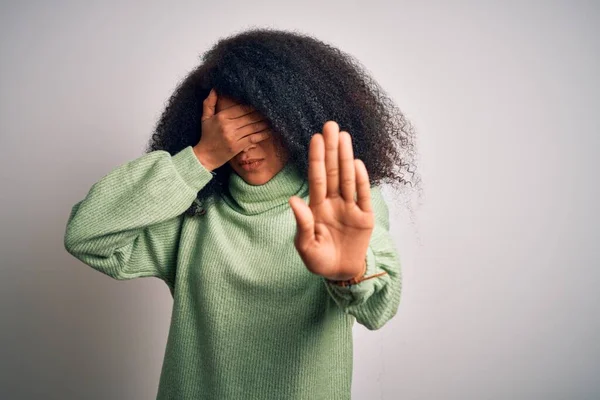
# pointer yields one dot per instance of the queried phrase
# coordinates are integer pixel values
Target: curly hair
(297, 83)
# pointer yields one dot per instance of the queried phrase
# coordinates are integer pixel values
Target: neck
(255, 199)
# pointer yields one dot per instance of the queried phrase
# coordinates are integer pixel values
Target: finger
(249, 140)
(251, 127)
(237, 111)
(347, 175)
(305, 222)
(317, 179)
(331, 133)
(363, 186)
(209, 105)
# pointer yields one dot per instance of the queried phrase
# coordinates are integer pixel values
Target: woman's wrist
(203, 159)
(352, 281)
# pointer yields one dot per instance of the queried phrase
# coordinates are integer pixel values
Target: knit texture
(249, 320)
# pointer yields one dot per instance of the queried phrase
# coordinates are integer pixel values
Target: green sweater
(249, 320)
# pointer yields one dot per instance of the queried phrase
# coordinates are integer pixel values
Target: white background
(501, 266)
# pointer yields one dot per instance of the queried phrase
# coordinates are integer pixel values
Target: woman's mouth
(254, 164)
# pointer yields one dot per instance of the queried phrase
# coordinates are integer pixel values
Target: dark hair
(297, 83)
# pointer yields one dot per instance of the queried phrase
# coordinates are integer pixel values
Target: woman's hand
(334, 230)
(227, 132)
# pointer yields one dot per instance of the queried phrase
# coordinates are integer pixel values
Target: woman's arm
(374, 301)
(129, 223)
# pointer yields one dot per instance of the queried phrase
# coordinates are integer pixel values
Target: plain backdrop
(500, 261)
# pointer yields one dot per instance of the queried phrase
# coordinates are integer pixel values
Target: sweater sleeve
(374, 301)
(129, 223)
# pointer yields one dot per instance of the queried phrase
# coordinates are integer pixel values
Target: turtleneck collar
(254, 199)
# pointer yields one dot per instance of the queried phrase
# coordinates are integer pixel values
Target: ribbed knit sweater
(249, 320)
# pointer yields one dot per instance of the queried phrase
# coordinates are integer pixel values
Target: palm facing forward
(334, 229)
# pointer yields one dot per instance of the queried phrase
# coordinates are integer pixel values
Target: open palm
(334, 229)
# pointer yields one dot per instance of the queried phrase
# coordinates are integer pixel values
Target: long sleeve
(129, 223)
(374, 301)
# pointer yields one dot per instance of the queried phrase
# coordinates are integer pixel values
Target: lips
(252, 166)
(251, 160)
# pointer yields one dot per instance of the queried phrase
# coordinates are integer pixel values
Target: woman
(266, 288)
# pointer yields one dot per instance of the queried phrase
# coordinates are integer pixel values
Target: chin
(255, 178)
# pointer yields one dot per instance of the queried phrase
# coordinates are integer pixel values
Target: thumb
(304, 221)
(209, 105)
